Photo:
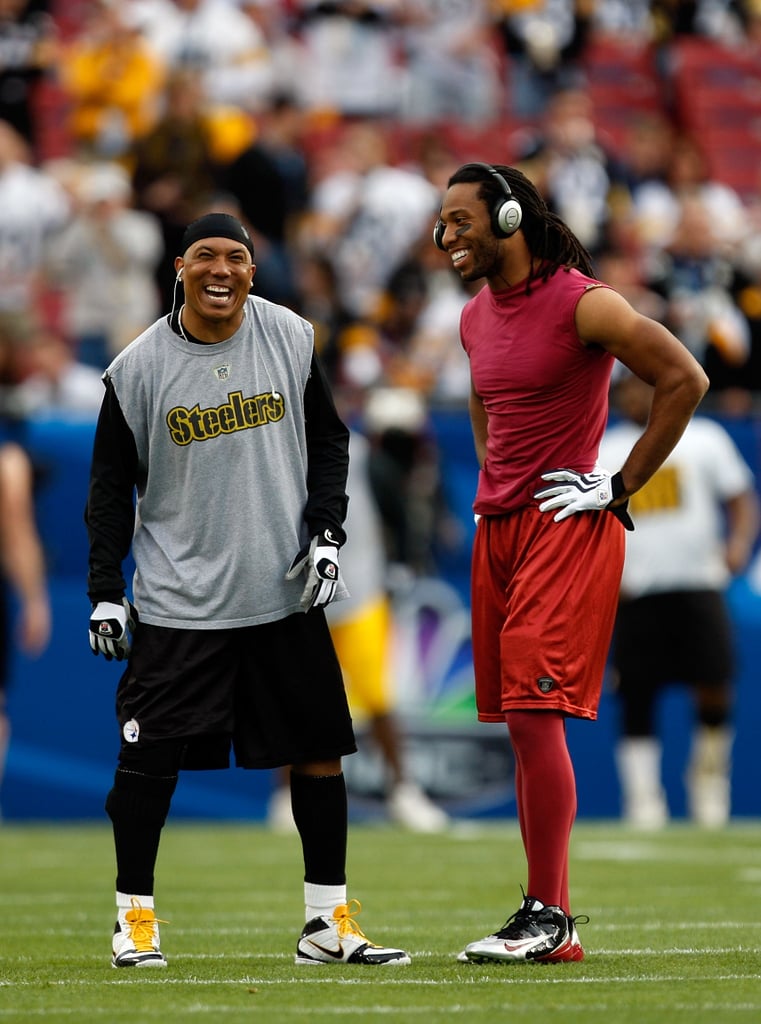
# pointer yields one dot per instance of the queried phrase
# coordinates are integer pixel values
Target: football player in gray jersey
(220, 462)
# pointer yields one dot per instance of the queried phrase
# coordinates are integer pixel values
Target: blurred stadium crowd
(330, 128)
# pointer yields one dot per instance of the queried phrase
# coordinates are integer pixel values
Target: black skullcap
(216, 225)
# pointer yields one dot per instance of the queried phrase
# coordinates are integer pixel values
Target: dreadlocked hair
(550, 241)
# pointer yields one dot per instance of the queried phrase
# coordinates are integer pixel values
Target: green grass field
(674, 932)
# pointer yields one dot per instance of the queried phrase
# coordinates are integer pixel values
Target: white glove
(583, 492)
(111, 626)
(320, 560)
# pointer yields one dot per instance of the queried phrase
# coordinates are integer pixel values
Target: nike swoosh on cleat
(520, 945)
(336, 954)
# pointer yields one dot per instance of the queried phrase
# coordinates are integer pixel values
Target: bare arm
(742, 529)
(479, 422)
(648, 349)
(21, 549)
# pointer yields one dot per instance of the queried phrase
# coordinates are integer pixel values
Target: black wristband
(616, 486)
(620, 511)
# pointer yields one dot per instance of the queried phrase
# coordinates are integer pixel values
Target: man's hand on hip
(583, 492)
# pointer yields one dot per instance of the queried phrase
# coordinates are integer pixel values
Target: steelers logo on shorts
(131, 731)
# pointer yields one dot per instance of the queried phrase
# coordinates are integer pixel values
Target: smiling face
(217, 275)
(468, 238)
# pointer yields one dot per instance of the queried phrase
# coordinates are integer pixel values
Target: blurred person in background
(319, 301)
(34, 206)
(52, 380)
(389, 367)
(276, 21)
(104, 262)
(695, 273)
(216, 41)
(112, 79)
(658, 199)
(270, 185)
(431, 155)
(575, 173)
(23, 587)
(388, 388)
(362, 631)
(367, 213)
(723, 21)
(28, 55)
(451, 62)
(434, 354)
(352, 51)
(622, 19)
(404, 476)
(280, 132)
(736, 387)
(620, 267)
(647, 149)
(697, 521)
(175, 168)
(542, 43)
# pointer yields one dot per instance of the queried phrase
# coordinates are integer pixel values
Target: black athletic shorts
(673, 637)
(274, 693)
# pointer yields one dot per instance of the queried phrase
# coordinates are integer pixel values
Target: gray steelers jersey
(222, 469)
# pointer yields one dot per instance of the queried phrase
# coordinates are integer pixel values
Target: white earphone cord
(275, 394)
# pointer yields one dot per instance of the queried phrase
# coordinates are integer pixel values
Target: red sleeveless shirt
(545, 393)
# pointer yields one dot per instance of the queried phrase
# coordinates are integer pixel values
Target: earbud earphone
(179, 274)
(506, 214)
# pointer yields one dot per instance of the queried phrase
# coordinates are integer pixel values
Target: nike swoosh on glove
(583, 492)
(111, 626)
(320, 560)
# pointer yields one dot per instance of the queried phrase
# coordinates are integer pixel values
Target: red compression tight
(545, 792)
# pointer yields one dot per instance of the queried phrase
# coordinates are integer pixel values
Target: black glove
(320, 559)
(584, 492)
(111, 626)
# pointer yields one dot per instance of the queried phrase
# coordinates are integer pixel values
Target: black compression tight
(138, 805)
(320, 812)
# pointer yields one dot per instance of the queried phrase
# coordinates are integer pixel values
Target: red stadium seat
(622, 79)
(717, 97)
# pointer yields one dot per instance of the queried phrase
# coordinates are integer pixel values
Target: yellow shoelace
(141, 922)
(344, 918)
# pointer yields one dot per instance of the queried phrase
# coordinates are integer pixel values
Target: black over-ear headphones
(506, 214)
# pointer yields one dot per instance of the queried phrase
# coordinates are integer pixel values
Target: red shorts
(544, 598)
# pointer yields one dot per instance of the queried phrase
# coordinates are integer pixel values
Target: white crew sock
(638, 759)
(322, 900)
(124, 902)
(708, 775)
